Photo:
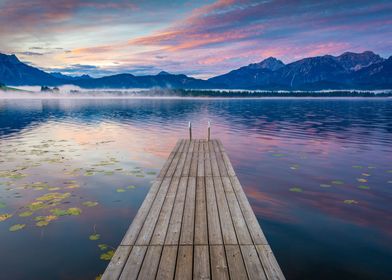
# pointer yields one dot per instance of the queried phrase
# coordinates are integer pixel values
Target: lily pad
(131, 187)
(17, 227)
(59, 212)
(337, 182)
(366, 174)
(361, 180)
(325, 185)
(94, 236)
(278, 155)
(350, 201)
(364, 187)
(107, 256)
(26, 214)
(90, 203)
(42, 223)
(120, 190)
(103, 247)
(74, 211)
(53, 196)
(295, 189)
(151, 173)
(4, 217)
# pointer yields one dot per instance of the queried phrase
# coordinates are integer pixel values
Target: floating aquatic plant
(17, 227)
(26, 214)
(90, 203)
(74, 211)
(366, 174)
(325, 185)
(2, 205)
(363, 187)
(295, 189)
(131, 187)
(107, 256)
(350, 201)
(5, 216)
(103, 247)
(95, 236)
(120, 190)
(361, 180)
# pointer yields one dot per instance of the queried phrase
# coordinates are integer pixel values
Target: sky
(199, 38)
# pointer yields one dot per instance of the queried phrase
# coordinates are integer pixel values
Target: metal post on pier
(209, 131)
(190, 131)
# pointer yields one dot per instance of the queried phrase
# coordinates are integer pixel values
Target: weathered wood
(219, 268)
(167, 266)
(201, 233)
(214, 227)
(134, 262)
(235, 262)
(150, 263)
(195, 223)
(184, 262)
(201, 262)
(117, 263)
(252, 262)
(188, 223)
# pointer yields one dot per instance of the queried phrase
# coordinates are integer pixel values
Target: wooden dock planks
(195, 223)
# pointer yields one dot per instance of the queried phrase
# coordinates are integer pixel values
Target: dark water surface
(318, 174)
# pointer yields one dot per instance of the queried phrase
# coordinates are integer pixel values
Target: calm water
(318, 174)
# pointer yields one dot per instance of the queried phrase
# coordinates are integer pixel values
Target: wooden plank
(201, 262)
(200, 164)
(219, 270)
(271, 266)
(214, 165)
(184, 263)
(201, 233)
(174, 163)
(221, 164)
(252, 263)
(150, 263)
(138, 221)
(240, 226)
(188, 223)
(214, 227)
(166, 165)
(181, 163)
(174, 229)
(117, 263)
(158, 237)
(250, 217)
(167, 266)
(152, 217)
(134, 262)
(229, 236)
(235, 262)
(194, 163)
(207, 165)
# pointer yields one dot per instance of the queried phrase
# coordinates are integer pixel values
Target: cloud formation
(203, 38)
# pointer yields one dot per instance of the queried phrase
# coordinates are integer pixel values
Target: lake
(317, 172)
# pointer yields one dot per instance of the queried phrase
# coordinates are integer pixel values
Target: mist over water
(317, 173)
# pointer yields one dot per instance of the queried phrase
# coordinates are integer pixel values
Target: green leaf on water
(140, 175)
(151, 173)
(99, 277)
(337, 182)
(295, 189)
(103, 247)
(5, 216)
(350, 201)
(42, 223)
(89, 173)
(26, 214)
(366, 174)
(361, 180)
(74, 211)
(325, 185)
(120, 190)
(90, 203)
(59, 212)
(107, 256)
(278, 155)
(94, 236)
(364, 187)
(131, 187)
(39, 218)
(2, 205)
(17, 227)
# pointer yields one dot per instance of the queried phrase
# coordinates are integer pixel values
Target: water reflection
(319, 147)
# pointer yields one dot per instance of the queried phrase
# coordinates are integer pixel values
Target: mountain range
(365, 70)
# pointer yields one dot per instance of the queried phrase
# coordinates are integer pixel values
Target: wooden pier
(195, 223)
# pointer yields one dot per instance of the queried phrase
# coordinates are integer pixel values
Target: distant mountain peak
(164, 73)
(270, 63)
(9, 58)
(352, 61)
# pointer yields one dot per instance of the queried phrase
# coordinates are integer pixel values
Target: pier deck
(195, 223)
